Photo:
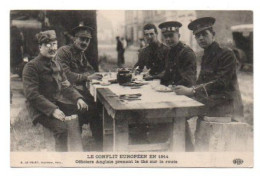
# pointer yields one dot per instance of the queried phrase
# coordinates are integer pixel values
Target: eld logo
(238, 161)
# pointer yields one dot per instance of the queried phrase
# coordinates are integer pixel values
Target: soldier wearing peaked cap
(201, 24)
(48, 91)
(181, 60)
(79, 71)
(217, 85)
(180, 64)
(82, 30)
(73, 57)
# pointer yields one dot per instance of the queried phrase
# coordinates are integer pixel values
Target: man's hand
(65, 83)
(97, 76)
(182, 90)
(147, 77)
(172, 87)
(58, 114)
(82, 105)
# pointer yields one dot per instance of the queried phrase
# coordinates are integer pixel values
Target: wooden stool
(220, 134)
(74, 135)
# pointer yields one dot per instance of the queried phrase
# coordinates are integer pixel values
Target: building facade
(135, 20)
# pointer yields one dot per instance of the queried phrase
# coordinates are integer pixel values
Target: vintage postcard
(131, 88)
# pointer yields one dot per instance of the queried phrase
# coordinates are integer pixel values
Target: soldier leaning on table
(217, 85)
(49, 94)
(180, 64)
(79, 72)
(153, 56)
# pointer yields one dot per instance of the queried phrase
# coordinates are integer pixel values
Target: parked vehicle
(243, 41)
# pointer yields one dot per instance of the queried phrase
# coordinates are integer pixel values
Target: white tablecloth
(148, 94)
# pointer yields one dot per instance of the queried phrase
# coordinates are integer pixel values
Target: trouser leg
(119, 59)
(123, 56)
(60, 132)
(96, 127)
(92, 117)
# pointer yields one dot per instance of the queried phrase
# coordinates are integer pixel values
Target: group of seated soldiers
(55, 81)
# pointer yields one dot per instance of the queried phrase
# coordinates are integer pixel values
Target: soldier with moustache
(79, 71)
(50, 96)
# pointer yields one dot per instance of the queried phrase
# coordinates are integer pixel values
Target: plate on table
(140, 82)
(105, 83)
(133, 84)
(162, 88)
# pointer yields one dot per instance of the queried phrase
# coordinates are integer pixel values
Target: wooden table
(154, 107)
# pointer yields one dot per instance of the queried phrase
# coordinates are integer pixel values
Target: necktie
(82, 59)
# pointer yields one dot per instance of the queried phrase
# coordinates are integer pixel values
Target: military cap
(170, 26)
(46, 36)
(201, 24)
(82, 31)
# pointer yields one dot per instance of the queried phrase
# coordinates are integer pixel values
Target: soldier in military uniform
(50, 97)
(181, 60)
(180, 64)
(79, 71)
(217, 85)
(154, 55)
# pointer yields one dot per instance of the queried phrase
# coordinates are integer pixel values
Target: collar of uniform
(45, 59)
(155, 44)
(75, 50)
(211, 48)
(178, 45)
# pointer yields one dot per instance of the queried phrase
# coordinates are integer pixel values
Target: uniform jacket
(180, 66)
(153, 57)
(217, 85)
(42, 79)
(74, 63)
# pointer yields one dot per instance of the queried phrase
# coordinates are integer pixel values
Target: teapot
(124, 75)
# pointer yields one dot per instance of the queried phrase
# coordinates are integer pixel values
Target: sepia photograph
(131, 88)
